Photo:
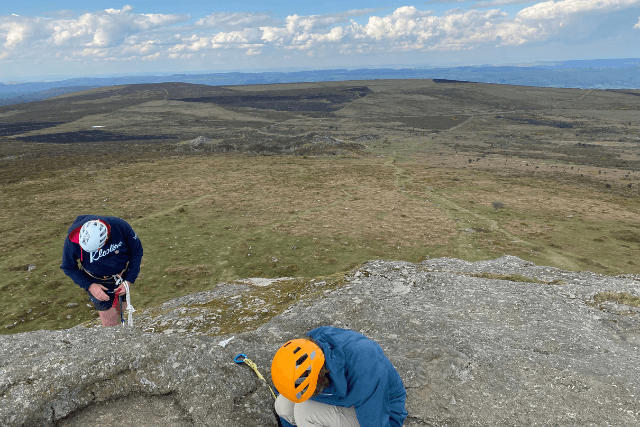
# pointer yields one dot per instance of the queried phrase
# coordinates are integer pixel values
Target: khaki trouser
(313, 414)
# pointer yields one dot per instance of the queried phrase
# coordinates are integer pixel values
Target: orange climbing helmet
(295, 369)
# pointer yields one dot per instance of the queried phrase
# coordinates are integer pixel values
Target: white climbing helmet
(93, 235)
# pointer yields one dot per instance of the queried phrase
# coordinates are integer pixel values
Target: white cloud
(125, 9)
(17, 31)
(232, 37)
(566, 8)
(108, 28)
(142, 48)
(273, 34)
(120, 34)
(198, 43)
(446, 1)
(299, 31)
(308, 24)
(545, 20)
(237, 20)
(498, 3)
(151, 57)
(334, 35)
(408, 28)
(405, 21)
(16, 34)
(102, 29)
(92, 51)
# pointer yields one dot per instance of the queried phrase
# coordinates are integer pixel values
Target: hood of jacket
(335, 361)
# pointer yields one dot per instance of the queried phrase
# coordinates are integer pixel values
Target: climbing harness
(105, 277)
(130, 309)
(242, 358)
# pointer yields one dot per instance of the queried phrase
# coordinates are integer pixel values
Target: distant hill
(43, 94)
(587, 74)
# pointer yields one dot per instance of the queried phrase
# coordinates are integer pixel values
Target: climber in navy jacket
(107, 247)
(337, 378)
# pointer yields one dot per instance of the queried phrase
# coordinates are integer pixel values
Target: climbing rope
(242, 358)
(130, 308)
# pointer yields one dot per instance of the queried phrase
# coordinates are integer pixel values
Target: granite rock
(492, 343)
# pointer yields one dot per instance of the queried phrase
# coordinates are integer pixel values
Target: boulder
(490, 343)
(197, 144)
(325, 139)
(367, 137)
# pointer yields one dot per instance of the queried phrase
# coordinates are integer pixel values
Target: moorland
(312, 179)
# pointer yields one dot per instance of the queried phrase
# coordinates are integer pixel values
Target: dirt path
(572, 100)
(176, 207)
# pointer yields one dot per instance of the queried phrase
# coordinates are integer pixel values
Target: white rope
(130, 308)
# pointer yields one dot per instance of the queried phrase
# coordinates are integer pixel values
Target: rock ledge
(493, 343)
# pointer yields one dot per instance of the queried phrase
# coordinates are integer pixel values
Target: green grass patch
(513, 278)
(509, 277)
(205, 221)
(617, 297)
(247, 311)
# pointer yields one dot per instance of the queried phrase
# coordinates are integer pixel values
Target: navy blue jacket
(361, 376)
(122, 246)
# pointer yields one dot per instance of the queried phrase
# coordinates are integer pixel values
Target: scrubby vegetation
(392, 174)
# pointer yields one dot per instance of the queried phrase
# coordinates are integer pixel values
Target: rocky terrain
(492, 343)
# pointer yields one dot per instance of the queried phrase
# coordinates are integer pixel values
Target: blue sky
(44, 40)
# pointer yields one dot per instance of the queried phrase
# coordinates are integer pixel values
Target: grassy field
(474, 187)
(211, 219)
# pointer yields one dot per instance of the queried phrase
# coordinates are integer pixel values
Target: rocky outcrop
(267, 143)
(492, 343)
(201, 143)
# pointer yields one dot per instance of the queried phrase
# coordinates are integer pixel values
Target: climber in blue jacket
(107, 247)
(337, 378)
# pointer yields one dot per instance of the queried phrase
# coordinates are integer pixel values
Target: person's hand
(97, 291)
(121, 290)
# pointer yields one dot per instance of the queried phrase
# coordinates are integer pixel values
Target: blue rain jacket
(361, 376)
(122, 246)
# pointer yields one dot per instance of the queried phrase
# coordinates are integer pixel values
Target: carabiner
(235, 359)
(118, 279)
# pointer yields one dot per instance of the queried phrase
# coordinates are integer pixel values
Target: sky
(91, 38)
